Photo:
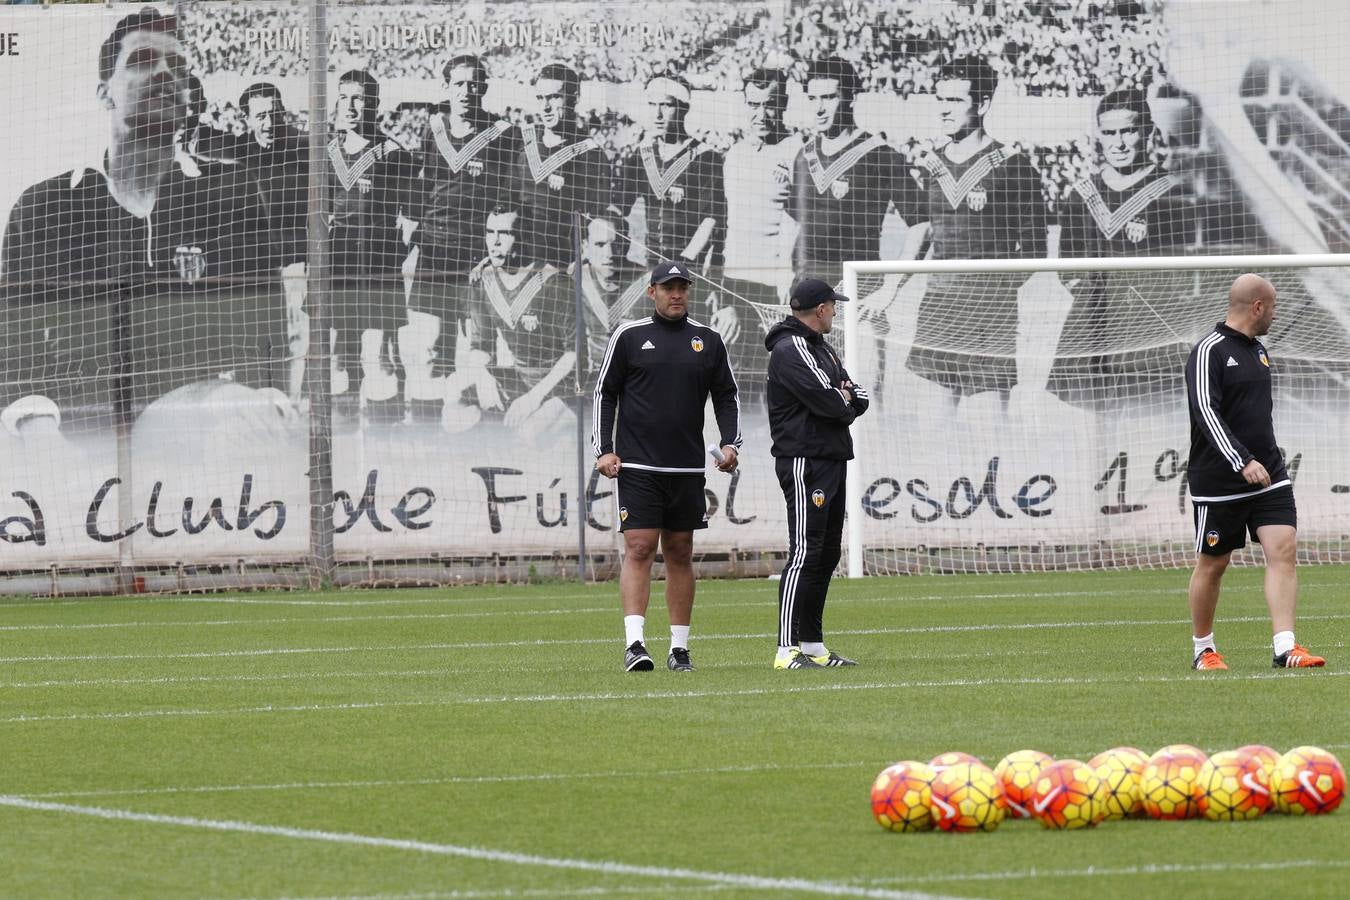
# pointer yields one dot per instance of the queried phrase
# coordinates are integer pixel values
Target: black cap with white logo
(668, 271)
(811, 292)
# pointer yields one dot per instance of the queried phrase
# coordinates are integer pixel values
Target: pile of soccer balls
(956, 792)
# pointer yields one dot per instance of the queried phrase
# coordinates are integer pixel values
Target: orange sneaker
(1209, 660)
(1298, 658)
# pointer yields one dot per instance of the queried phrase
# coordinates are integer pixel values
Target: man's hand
(608, 465)
(846, 388)
(729, 459)
(521, 409)
(1255, 473)
(727, 323)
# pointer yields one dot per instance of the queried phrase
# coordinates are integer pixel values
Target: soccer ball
(1065, 795)
(1170, 785)
(1119, 770)
(1017, 773)
(1267, 756)
(1308, 781)
(1233, 786)
(967, 797)
(902, 795)
(955, 757)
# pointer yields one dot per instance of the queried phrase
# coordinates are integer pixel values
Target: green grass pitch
(483, 742)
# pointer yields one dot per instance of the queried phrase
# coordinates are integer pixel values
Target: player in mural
(845, 180)
(760, 233)
(679, 180)
(371, 182)
(1129, 207)
(275, 155)
(519, 348)
(984, 202)
(145, 269)
(467, 167)
(562, 169)
(612, 293)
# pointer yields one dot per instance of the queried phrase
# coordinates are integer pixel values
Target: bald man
(1238, 482)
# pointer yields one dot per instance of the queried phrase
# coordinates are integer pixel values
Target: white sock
(632, 629)
(785, 652)
(679, 636)
(814, 648)
(1284, 642)
(1203, 643)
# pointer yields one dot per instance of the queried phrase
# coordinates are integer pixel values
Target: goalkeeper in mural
(145, 269)
(679, 180)
(845, 180)
(1130, 207)
(561, 168)
(516, 352)
(467, 164)
(371, 185)
(984, 202)
(611, 291)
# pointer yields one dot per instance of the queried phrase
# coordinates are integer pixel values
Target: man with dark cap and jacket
(812, 401)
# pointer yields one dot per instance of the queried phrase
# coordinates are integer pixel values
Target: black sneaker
(832, 660)
(637, 659)
(679, 660)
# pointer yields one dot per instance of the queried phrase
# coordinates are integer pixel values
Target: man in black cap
(662, 370)
(812, 401)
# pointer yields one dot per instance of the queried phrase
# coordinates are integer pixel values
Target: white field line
(1122, 871)
(431, 782)
(597, 891)
(761, 597)
(448, 670)
(607, 867)
(602, 697)
(490, 779)
(546, 642)
(482, 594)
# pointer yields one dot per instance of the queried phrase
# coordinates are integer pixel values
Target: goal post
(1070, 396)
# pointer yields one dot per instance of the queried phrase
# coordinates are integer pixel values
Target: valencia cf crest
(1211, 538)
(697, 344)
(1136, 230)
(1265, 360)
(675, 195)
(623, 514)
(190, 263)
(839, 188)
(365, 185)
(474, 167)
(818, 498)
(976, 198)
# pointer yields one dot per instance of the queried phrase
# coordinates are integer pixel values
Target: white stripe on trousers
(1200, 527)
(792, 577)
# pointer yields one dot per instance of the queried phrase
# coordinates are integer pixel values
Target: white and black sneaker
(679, 660)
(637, 659)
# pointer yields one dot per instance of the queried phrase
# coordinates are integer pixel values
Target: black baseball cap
(668, 271)
(811, 292)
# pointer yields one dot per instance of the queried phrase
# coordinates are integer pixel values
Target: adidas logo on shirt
(1232, 362)
(648, 345)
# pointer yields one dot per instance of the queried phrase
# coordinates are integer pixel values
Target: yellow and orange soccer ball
(902, 797)
(1065, 795)
(1233, 786)
(1307, 781)
(967, 797)
(1170, 784)
(1017, 773)
(1120, 771)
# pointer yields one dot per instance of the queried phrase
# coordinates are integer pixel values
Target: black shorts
(1223, 527)
(673, 501)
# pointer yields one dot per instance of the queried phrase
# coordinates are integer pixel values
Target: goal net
(1033, 414)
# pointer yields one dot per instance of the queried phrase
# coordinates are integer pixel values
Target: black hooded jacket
(808, 413)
